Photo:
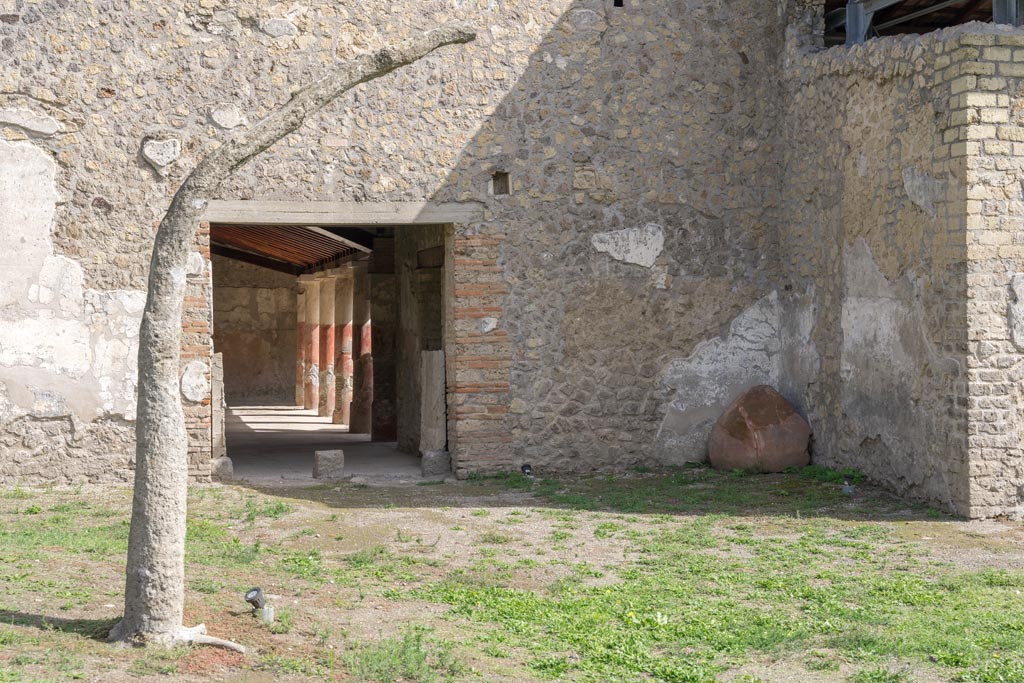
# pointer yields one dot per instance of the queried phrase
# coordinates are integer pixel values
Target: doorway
(331, 337)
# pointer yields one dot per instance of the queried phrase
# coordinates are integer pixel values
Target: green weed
(410, 657)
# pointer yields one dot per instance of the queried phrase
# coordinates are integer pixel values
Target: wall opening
(331, 340)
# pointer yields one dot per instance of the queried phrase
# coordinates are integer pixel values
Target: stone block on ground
(329, 465)
(436, 463)
(760, 431)
(223, 469)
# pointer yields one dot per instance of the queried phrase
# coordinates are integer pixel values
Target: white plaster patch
(160, 153)
(64, 350)
(9, 410)
(28, 120)
(800, 361)
(28, 202)
(891, 372)
(61, 346)
(488, 324)
(195, 384)
(115, 318)
(641, 246)
(715, 373)
(1016, 310)
(60, 283)
(922, 189)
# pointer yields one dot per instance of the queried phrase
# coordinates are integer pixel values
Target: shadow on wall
(623, 287)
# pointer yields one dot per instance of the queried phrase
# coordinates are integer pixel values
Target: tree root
(196, 635)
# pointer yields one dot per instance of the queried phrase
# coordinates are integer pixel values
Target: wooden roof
(288, 248)
(896, 19)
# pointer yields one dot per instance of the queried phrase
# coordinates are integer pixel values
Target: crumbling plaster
(67, 353)
(879, 218)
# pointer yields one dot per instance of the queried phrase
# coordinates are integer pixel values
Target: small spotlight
(527, 470)
(255, 598)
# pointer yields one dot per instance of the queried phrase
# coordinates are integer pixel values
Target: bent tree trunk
(154, 587)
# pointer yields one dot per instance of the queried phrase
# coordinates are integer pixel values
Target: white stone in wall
(277, 28)
(195, 384)
(160, 153)
(641, 246)
(488, 324)
(29, 121)
(227, 116)
(196, 264)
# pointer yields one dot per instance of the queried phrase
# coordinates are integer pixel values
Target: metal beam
(1008, 12)
(837, 18)
(858, 23)
(337, 238)
(919, 13)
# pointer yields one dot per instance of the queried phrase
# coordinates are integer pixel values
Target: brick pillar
(311, 347)
(477, 363)
(196, 357)
(362, 353)
(327, 396)
(300, 345)
(343, 360)
(990, 137)
(384, 302)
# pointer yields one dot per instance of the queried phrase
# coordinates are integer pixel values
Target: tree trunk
(155, 577)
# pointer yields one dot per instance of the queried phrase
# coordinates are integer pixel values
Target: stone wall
(593, 313)
(899, 244)
(640, 144)
(254, 318)
(693, 207)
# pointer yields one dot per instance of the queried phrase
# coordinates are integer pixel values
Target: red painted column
(311, 347)
(361, 412)
(300, 345)
(343, 363)
(327, 396)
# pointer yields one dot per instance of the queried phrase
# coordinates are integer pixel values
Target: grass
(681, 576)
(410, 657)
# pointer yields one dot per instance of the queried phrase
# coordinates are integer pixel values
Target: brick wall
(479, 352)
(197, 345)
(988, 110)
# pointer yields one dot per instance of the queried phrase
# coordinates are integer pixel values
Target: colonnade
(333, 368)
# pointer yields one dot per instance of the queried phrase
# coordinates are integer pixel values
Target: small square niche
(500, 183)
